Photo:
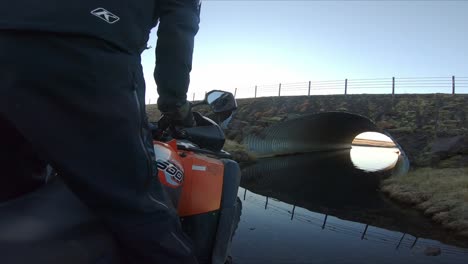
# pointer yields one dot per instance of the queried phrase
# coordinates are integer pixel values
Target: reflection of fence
(360, 231)
(450, 85)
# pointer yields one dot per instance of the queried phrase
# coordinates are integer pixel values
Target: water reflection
(323, 179)
(374, 158)
(319, 208)
(272, 231)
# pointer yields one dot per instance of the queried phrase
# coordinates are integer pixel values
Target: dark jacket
(125, 24)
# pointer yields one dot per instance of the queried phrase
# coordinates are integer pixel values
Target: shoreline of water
(440, 194)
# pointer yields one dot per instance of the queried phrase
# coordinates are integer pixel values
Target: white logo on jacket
(105, 15)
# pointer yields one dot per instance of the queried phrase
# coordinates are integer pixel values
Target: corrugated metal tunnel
(316, 132)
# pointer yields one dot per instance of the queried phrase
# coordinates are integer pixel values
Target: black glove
(181, 117)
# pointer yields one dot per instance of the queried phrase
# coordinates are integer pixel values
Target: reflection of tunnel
(327, 179)
(328, 183)
(316, 132)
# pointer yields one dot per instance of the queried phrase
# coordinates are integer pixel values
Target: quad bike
(48, 224)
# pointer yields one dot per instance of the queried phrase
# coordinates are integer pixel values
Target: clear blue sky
(243, 43)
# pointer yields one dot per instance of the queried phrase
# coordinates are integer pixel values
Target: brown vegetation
(373, 143)
(239, 152)
(441, 194)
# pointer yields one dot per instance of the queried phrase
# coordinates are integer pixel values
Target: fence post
(393, 86)
(255, 91)
(235, 93)
(279, 90)
(453, 84)
(399, 243)
(346, 87)
(292, 214)
(414, 243)
(324, 222)
(308, 94)
(365, 231)
(193, 98)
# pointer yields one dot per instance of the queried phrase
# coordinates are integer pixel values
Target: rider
(71, 84)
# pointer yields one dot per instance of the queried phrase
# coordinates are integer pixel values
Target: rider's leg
(80, 102)
(20, 166)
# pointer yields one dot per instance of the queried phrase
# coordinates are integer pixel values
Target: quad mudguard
(230, 211)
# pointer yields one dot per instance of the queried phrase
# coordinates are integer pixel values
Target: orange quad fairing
(168, 152)
(203, 184)
(202, 178)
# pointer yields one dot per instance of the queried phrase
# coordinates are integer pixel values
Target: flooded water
(326, 208)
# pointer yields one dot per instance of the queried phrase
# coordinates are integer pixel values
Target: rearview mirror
(221, 101)
(213, 95)
(223, 104)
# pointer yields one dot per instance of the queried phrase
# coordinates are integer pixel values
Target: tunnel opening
(373, 151)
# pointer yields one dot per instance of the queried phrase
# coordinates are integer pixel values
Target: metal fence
(360, 231)
(393, 85)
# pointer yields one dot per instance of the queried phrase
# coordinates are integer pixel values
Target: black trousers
(79, 102)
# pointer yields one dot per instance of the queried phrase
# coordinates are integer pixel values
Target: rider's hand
(181, 117)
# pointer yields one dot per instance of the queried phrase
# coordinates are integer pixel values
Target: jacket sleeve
(179, 23)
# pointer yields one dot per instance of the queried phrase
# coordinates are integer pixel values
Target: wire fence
(360, 231)
(393, 85)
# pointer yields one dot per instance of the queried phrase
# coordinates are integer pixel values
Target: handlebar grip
(155, 131)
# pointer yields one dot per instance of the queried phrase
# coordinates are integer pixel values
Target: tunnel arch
(324, 131)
